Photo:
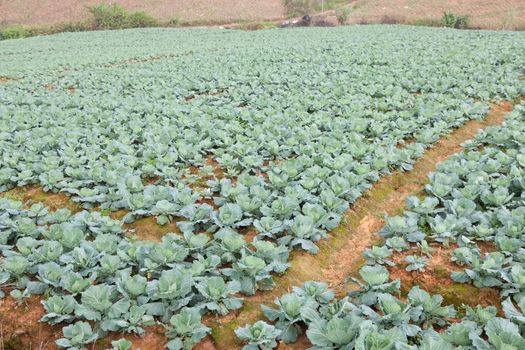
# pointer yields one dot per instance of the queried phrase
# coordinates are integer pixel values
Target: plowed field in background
(36, 12)
(490, 14)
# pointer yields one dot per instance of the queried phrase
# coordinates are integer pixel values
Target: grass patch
(458, 294)
(174, 21)
(225, 333)
(427, 22)
(15, 32)
(256, 25)
(441, 272)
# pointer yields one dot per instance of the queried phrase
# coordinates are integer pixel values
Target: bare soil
(487, 14)
(436, 279)
(20, 329)
(39, 12)
(33, 194)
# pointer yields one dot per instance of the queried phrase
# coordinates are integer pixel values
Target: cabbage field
(244, 149)
(476, 197)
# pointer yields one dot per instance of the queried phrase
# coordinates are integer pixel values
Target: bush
(297, 7)
(141, 19)
(105, 16)
(114, 16)
(108, 16)
(454, 20)
(342, 15)
(174, 21)
(15, 32)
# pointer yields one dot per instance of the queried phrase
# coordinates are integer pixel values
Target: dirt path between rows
(340, 254)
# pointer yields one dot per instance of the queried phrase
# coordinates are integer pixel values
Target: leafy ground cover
(247, 151)
(475, 199)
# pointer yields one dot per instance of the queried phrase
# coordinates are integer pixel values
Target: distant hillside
(490, 14)
(38, 12)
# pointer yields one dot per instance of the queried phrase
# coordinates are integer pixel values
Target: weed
(342, 15)
(427, 22)
(256, 25)
(174, 21)
(454, 20)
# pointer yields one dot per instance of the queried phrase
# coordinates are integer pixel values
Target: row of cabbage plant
(476, 196)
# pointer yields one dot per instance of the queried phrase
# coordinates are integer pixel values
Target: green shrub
(454, 20)
(141, 19)
(108, 16)
(297, 7)
(174, 21)
(15, 32)
(105, 16)
(342, 15)
(114, 16)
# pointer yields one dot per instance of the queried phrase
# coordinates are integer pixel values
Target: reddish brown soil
(153, 339)
(34, 194)
(21, 329)
(301, 344)
(56, 11)
(4, 79)
(206, 344)
(347, 259)
(436, 279)
(147, 229)
(489, 14)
